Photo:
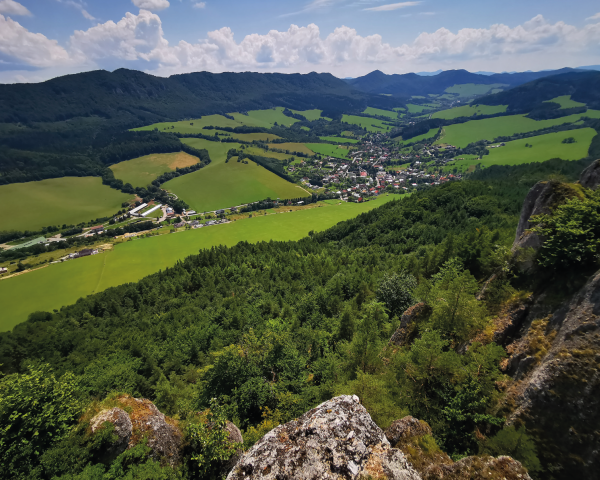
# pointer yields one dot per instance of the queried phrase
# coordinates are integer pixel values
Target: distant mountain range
(424, 83)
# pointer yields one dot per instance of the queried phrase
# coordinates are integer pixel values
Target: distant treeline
(269, 203)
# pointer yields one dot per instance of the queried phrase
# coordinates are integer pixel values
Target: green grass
(194, 126)
(292, 147)
(328, 149)
(248, 137)
(544, 148)
(565, 102)
(222, 185)
(339, 139)
(371, 124)
(311, 115)
(141, 171)
(461, 135)
(70, 200)
(430, 134)
(62, 284)
(469, 111)
(418, 108)
(473, 89)
(381, 113)
(264, 118)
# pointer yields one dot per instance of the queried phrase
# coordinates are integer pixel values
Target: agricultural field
(473, 89)
(469, 111)
(57, 201)
(247, 137)
(420, 108)
(430, 134)
(141, 171)
(292, 147)
(536, 149)
(264, 118)
(565, 102)
(461, 135)
(222, 185)
(381, 113)
(339, 139)
(62, 284)
(311, 115)
(329, 149)
(371, 124)
(194, 126)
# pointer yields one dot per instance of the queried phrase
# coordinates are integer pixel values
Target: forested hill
(583, 87)
(410, 84)
(135, 98)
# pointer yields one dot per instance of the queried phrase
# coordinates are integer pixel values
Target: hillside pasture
(381, 113)
(264, 118)
(57, 201)
(141, 171)
(339, 140)
(412, 108)
(193, 126)
(430, 134)
(371, 124)
(460, 135)
(469, 111)
(311, 115)
(329, 150)
(565, 102)
(474, 89)
(223, 185)
(292, 147)
(538, 149)
(247, 137)
(62, 284)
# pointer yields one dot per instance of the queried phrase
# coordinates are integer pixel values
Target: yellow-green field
(141, 171)
(338, 151)
(311, 115)
(543, 147)
(57, 201)
(292, 147)
(247, 137)
(265, 118)
(62, 284)
(222, 185)
(381, 113)
(194, 126)
(460, 135)
(371, 124)
(565, 102)
(472, 89)
(430, 134)
(469, 111)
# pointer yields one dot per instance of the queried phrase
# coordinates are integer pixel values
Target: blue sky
(40, 39)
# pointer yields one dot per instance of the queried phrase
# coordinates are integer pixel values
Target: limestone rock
(406, 428)
(479, 468)
(402, 335)
(336, 440)
(144, 422)
(590, 177)
(235, 436)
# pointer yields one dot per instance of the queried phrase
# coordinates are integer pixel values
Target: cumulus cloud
(33, 49)
(594, 17)
(154, 5)
(392, 6)
(138, 41)
(10, 7)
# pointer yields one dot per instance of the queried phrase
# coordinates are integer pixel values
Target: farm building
(3, 270)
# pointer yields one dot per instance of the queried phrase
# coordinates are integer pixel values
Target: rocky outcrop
(336, 440)
(478, 468)
(590, 177)
(406, 429)
(144, 422)
(557, 361)
(403, 333)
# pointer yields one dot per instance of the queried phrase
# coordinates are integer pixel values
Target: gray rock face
(402, 334)
(123, 429)
(559, 394)
(406, 428)
(590, 177)
(478, 468)
(337, 440)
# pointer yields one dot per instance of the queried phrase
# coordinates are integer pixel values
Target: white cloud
(154, 5)
(33, 49)
(10, 7)
(79, 6)
(199, 5)
(594, 17)
(138, 41)
(392, 6)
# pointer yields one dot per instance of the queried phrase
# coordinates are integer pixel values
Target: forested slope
(271, 330)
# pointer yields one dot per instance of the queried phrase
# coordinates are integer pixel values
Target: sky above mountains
(41, 39)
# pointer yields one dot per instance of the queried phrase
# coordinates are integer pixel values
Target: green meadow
(195, 125)
(265, 118)
(141, 171)
(371, 124)
(412, 108)
(328, 149)
(469, 111)
(472, 89)
(339, 139)
(565, 102)
(460, 135)
(381, 113)
(536, 149)
(311, 115)
(430, 134)
(222, 185)
(292, 147)
(56, 201)
(62, 284)
(247, 137)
